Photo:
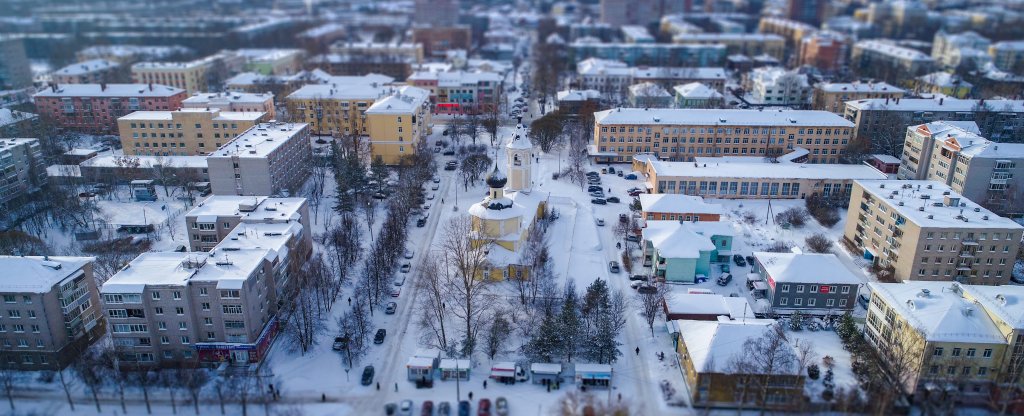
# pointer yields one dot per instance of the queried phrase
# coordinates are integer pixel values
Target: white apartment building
(775, 85)
(268, 159)
(234, 101)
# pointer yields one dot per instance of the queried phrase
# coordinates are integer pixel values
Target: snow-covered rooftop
(859, 87)
(758, 170)
(944, 80)
(708, 304)
(578, 95)
(37, 274)
(266, 208)
(935, 104)
(224, 98)
(720, 117)
(696, 90)
(260, 140)
(806, 268)
(520, 138)
(942, 314)
(925, 204)
(677, 203)
(371, 91)
(648, 89)
(110, 161)
(675, 239)
(1006, 302)
(714, 345)
(8, 116)
(87, 67)
(257, 235)
(229, 268)
(110, 90)
(893, 50)
(456, 78)
(219, 115)
(969, 143)
(726, 37)
(406, 100)
(253, 54)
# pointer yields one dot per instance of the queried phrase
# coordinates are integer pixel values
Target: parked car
(632, 238)
(450, 166)
(724, 267)
(739, 260)
(623, 218)
(444, 409)
(613, 266)
(604, 170)
(430, 197)
(636, 284)
(647, 289)
(449, 152)
(599, 221)
(409, 253)
(635, 193)
(750, 260)
(631, 176)
(638, 278)
(434, 187)
(597, 194)
(422, 222)
(426, 207)
(598, 201)
(427, 409)
(367, 375)
(436, 180)
(378, 338)
(593, 188)
(437, 149)
(405, 408)
(379, 195)
(399, 280)
(611, 169)
(339, 344)
(390, 409)
(619, 173)
(501, 406)
(391, 308)
(592, 174)
(484, 408)
(445, 132)
(396, 291)
(405, 268)
(613, 199)
(464, 408)
(724, 279)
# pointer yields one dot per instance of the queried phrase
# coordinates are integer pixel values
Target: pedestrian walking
(396, 387)
(442, 200)
(485, 384)
(349, 301)
(470, 396)
(549, 388)
(378, 386)
(637, 353)
(620, 397)
(323, 397)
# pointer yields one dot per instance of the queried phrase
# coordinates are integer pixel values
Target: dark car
(444, 409)
(367, 375)
(750, 260)
(593, 174)
(613, 199)
(611, 169)
(724, 279)
(484, 408)
(631, 176)
(619, 173)
(623, 218)
(379, 337)
(636, 193)
(638, 277)
(448, 152)
(739, 260)
(427, 409)
(464, 408)
(594, 188)
(632, 238)
(422, 222)
(598, 201)
(647, 289)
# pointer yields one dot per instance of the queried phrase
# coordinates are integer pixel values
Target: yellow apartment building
(190, 76)
(398, 123)
(184, 132)
(335, 109)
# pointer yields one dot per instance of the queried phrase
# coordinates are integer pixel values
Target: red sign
(771, 282)
(824, 289)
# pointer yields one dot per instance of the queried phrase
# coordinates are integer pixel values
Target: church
(504, 218)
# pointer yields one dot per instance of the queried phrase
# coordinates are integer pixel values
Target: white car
(600, 222)
(409, 253)
(426, 207)
(434, 187)
(430, 197)
(400, 280)
(437, 180)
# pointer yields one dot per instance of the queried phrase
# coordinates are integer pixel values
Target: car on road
(445, 132)
(484, 408)
(611, 169)
(379, 195)
(367, 375)
(613, 266)
(390, 409)
(399, 280)
(396, 291)
(409, 253)
(378, 338)
(339, 344)
(594, 188)
(599, 222)
(613, 199)
(406, 267)
(501, 406)
(739, 260)
(597, 194)
(426, 207)
(427, 409)
(451, 165)
(430, 197)
(724, 267)
(724, 279)
(598, 201)
(444, 409)
(436, 180)
(391, 308)
(437, 149)
(422, 222)
(632, 238)
(464, 408)
(434, 187)
(448, 152)
(623, 218)
(405, 408)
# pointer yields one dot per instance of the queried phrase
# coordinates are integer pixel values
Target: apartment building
(809, 283)
(216, 218)
(262, 102)
(93, 71)
(1008, 56)
(951, 49)
(95, 108)
(14, 123)
(887, 60)
(752, 177)
(438, 41)
(22, 169)
(878, 118)
(183, 132)
(832, 97)
(51, 311)
(270, 61)
(750, 44)
(129, 54)
(111, 168)
(649, 95)
(405, 52)
(638, 12)
(810, 11)
(793, 31)
(777, 86)
(682, 134)
(613, 77)
(268, 159)
(192, 76)
(652, 54)
(439, 13)
(336, 108)
(459, 92)
(399, 123)
(923, 230)
(967, 337)
(15, 72)
(697, 95)
(824, 50)
(316, 40)
(953, 153)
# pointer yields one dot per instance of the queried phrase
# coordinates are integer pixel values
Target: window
(206, 306)
(956, 352)
(161, 326)
(842, 302)
(783, 301)
(798, 302)
(27, 299)
(234, 324)
(202, 291)
(179, 310)
(970, 352)
(845, 290)
(987, 353)
(230, 294)
(156, 295)
(937, 352)
(207, 321)
(982, 371)
(185, 339)
(32, 314)
(210, 336)
(183, 326)
(785, 288)
(165, 340)
(830, 302)
(158, 310)
(117, 313)
(35, 329)
(10, 299)
(233, 309)
(14, 314)
(811, 301)
(176, 295)
(799, 288)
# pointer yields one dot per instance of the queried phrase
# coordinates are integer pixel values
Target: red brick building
(95, 108)
(826, 51)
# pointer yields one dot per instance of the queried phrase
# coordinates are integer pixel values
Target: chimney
(941, 99)
(887, 100)
(103, 86)
(151, 86)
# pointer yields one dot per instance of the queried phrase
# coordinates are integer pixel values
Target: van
(724, 279)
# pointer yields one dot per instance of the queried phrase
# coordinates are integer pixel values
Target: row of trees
(580, 327)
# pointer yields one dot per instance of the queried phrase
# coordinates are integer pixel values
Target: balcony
(969, 242)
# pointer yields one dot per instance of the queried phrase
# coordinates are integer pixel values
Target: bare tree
(9, 379)
(652, 303)
(497, 334)
(171, 379)
(89, 369)
(66, 383)
(432, 307)
(145, 379)
(355, 325)
(818, 243)
(466, 262)
(762, 362)
(194, 381)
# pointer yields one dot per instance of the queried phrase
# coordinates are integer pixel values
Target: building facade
(95, 108)
(94, 71)
(887, 119)
(14, 123)
(651, 54)
(832, 97)
(750, 44)
(1008, 56)
(459, 92)
(184, 132)
(15, 72)
(776, 86)
(811, 283)
(922, 230)
(888, 61)
(52, 311)
(399, 123)
(262, 102)
(335, 109)
(192, 76)
(827, 51)
(268, 159)
(22, 169)
(216, 218)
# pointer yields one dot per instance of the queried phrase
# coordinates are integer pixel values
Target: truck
(507, 372)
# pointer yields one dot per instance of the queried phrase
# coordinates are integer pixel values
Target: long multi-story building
(268, 159)
(682, 134)
(438, 13)
(655, 54)
(832, 97)
(22, 168)
(94, 71)
(95, 108)
(335, 109)
(887, 60)
(270, 61)
(887, 119)
(967, 338)
(15, 72)
(14, 123)
(949, 49)
(1008, 55)
(184, 132)
(638, 12)
(614, 77)
(792, 30)
(192, 76)
(750, 44)
(950, 152)
(923, 230)
(262, 102)
(216, 218)
(51, 311)
(399, 123)
(459, 92)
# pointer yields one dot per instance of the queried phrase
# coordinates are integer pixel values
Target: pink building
(95, 108)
